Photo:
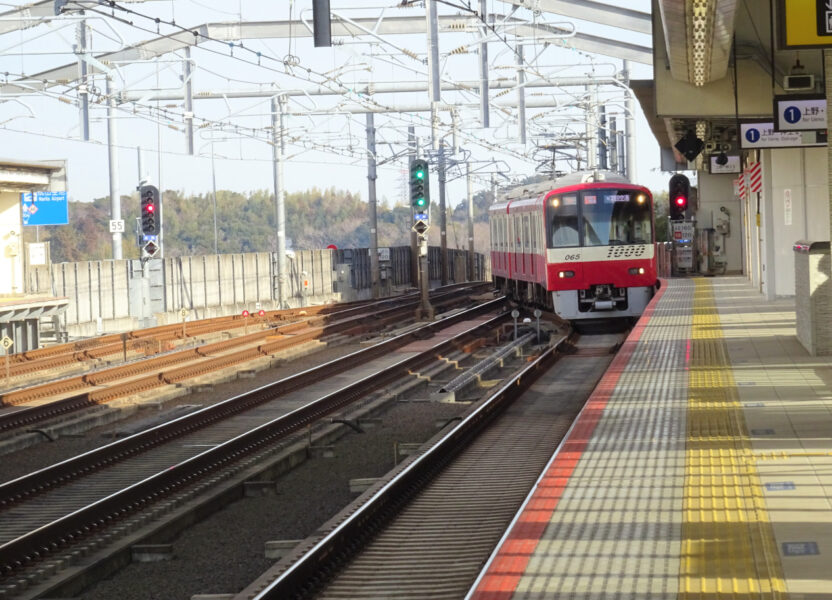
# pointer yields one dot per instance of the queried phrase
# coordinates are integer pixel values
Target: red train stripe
(509, 565)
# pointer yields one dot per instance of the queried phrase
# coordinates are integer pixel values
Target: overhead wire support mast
(278, 109)
(189, 101)
(484, 65)
(371, 183)
(83, 83)
(436, 98)
(112, 156)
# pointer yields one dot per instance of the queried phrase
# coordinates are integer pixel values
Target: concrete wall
(717, 191)
(104, 295)
(11, 254)
(801, 174)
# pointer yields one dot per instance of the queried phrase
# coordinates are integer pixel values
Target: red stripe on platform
(501, 579)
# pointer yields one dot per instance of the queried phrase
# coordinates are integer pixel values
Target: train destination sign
(763, 135)
(800, 112)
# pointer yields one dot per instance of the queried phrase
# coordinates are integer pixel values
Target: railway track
(49, 518)
(76, 393)
(429, 527)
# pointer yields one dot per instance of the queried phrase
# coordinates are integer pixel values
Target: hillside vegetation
(246, 223)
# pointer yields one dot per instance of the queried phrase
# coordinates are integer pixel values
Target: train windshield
(600, 217)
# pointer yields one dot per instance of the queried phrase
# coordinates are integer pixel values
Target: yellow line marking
(728, 545)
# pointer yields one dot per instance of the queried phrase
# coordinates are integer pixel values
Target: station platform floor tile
(700, 468)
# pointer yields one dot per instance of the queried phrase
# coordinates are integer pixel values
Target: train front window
(612, 217)
(563, 221)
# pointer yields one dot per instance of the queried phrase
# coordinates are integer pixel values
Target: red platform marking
(508, 566)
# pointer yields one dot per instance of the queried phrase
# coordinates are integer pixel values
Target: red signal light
(150, 208)
(681, 200)
(246, 313)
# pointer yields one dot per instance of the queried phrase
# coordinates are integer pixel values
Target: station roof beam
(284, 29)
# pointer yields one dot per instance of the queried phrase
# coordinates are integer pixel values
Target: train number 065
(572, 257)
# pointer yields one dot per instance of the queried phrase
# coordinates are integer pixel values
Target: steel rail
(305, 575)
(165, 371)
(36, 545)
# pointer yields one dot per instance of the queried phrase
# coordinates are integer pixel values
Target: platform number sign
(7, 342)
(753, 135)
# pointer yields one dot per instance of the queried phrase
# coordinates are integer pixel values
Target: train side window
(517, 232)
(527, 238)
(534, 232)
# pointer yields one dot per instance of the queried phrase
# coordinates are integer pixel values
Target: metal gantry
(542, 105)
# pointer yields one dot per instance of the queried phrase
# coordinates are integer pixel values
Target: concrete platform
(701, 467)
(20, 315)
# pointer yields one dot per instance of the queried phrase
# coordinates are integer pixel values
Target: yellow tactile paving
(728, 545)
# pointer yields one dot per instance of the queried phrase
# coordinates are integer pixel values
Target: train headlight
(565, 274)
(636, 270)
(641, 198)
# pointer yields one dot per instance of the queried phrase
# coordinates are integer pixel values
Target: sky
(46, 126)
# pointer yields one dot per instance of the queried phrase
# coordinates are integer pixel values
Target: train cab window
(562, 212)
(612, 217)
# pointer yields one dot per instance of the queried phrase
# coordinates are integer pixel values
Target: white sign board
(37, 254)
(731, 166)
(787, 206)
(117, 226)
(684, 257)
(384, 254)
(682, 230)
(763, 135)
(800, 113)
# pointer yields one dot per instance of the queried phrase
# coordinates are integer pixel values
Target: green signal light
(420, 201)
(420, 174)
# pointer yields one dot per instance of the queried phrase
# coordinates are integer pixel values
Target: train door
(515, 244)
(527, 245)
(533, 245)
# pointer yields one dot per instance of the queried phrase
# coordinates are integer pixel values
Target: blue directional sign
(44, 208)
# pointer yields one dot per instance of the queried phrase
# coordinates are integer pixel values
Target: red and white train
(581, 246)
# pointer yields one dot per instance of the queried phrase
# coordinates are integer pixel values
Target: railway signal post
(420, 203)
(682, 229)
(150, 221)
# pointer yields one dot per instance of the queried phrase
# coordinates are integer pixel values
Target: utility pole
(521, 94)
(83, 84)
(414, 241)
(468, 183)
(371, 181)
(602, 137)
(590, 131)
(214, 197)
(278, 108)
(613, 142)
(435, 96)
(189, 102)
(483, 65)
(629, 124)
(112, 155)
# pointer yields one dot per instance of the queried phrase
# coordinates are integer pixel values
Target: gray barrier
(116, 295)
